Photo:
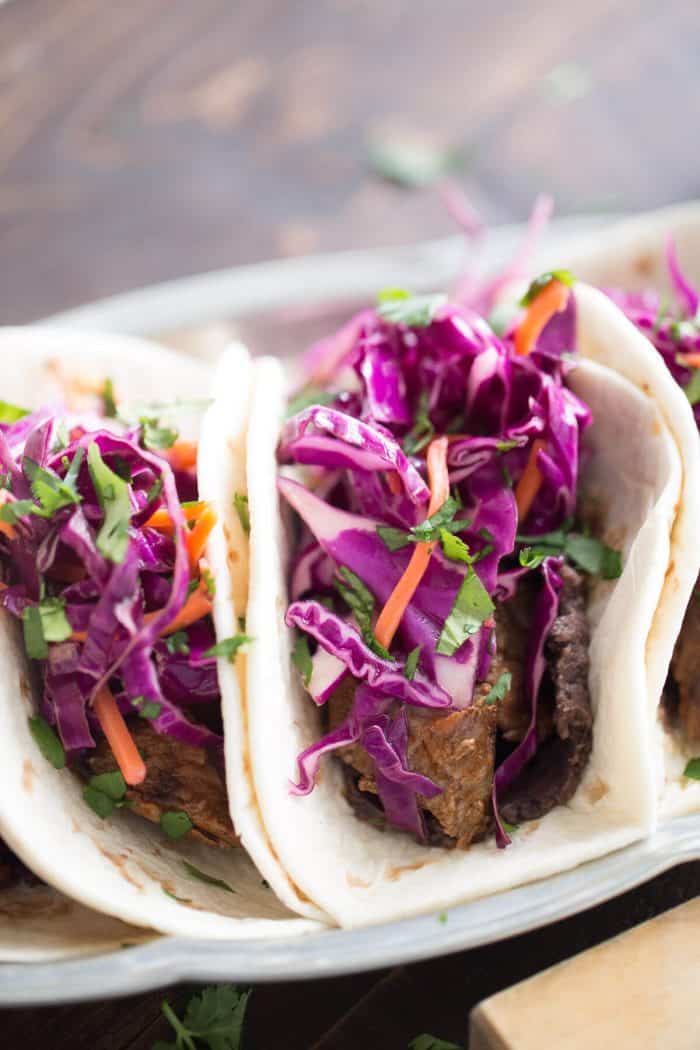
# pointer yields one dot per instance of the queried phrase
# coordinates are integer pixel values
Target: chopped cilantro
(454, 548)
(149, 709)
(156, 436)
(471, 607)
(361, 600)
(51, 491)
(692, 388)
(509, 828)
(10, 413)
(541, 282)
(214, 1018)
(692, 770)
(506, 446)
(413, 311)
(412, 663)
(427, 531)
(178, 643)
(196, 873)
(175, 824)
(54, 622)
(499, 689)
(431, 1042)
(422, 431)
(19, 508)
(301, 658)
(155, 490)
(586, 552)
(113, 495)
(34, 641)
(228, 647)
(109, 404)
(209, 582)
(240, 502)
(47, 741)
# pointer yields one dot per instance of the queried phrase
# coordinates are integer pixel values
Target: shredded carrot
(550, 301)
(182, 455)
(161, 520)
(198, 536)
(691, 360)
(197, 605)
(119, 738)
(530, 481)
(400, 597)
(394, 482)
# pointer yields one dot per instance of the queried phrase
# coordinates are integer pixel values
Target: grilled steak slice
(555, 772)
(685, 671)
(179, 777)
(456, 750)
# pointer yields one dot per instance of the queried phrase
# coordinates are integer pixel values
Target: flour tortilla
(124, 866)
(632, 256)
(360, 875)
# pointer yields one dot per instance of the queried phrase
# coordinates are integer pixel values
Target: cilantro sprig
(227, 648)
(442, 521)
(398, 306)
(361, 600)
(213, 1018)
(586, 552)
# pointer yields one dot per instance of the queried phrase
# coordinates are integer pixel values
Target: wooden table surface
(148, 140)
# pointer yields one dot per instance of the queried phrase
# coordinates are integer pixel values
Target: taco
(650, 268)
(123, 561)
(448, 693)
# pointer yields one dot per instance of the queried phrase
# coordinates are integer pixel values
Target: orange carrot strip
(182, 455)
(119, 738)
(198, 536)
(691, 360)
(400, 597)
(550, 301)
(161, 520)
(530, 481)
(394, 482)
(197, 605)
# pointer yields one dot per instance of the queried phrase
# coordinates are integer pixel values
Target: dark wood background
(141, 141)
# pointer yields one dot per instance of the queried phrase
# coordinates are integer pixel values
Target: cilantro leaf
(692, 388)
(471, 607)
(301, 658)
(506, 445)
(454, 548)
(51, 491)
(240, 502)
(541, 282)
(47, 741)
(431, 1042)
(155, 490)
(34, 641)
(509, 828)
(149, 709)
(214, 1018)
(175, 824)
(155, 435)
(499, 689)
(427, 531)
(10, 413)
(422, 431)
(113, 495)
(692, 770)
(413, 311)
(228, 647)
(178, 643)
(201, 876)
(109, 404)
(394, 539)
(54, 622)
(361, 600)
(586, 552)
(19, 508)
(412, 663)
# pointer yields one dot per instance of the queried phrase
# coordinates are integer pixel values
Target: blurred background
(148, 140)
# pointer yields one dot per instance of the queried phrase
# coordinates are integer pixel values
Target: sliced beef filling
(458, 750)
(179, 777)
(682, 696)
(555, 772)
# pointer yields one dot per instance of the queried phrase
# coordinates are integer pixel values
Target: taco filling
(102, 541)
(441, 563)
(674, 329)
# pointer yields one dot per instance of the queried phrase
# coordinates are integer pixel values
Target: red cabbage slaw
(100, 559)
(675, 332)
(386, 386)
